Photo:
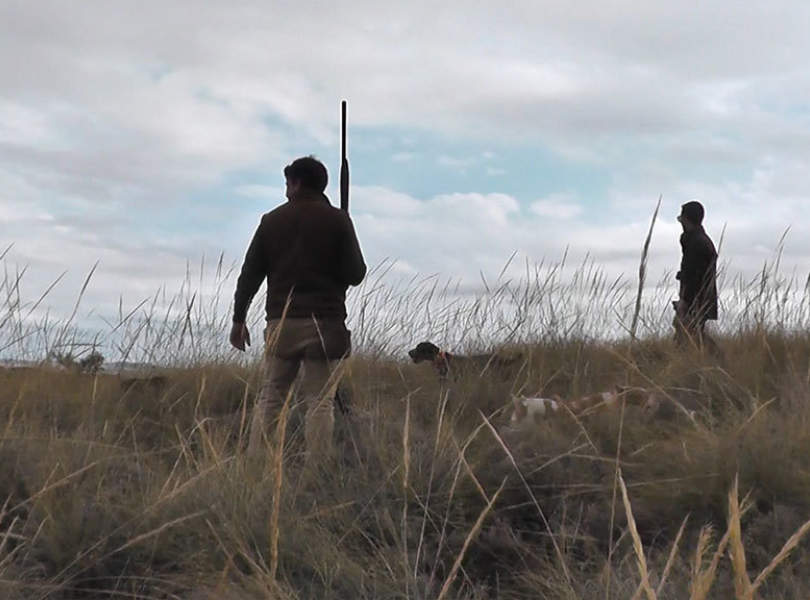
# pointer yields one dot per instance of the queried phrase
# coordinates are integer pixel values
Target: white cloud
(556, 207)
(381, 201)
(116, 117)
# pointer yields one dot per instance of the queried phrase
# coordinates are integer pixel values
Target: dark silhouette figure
(697, 301)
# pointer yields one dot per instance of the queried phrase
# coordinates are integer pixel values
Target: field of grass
(147, 492)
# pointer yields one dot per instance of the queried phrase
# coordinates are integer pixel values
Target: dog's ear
(517, 401)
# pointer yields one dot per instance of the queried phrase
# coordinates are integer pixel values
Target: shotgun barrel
(344, 161)
(341, 399)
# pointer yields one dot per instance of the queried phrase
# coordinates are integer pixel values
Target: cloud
(381, 201)
(204, 93)
(144, 134)
(556, 207)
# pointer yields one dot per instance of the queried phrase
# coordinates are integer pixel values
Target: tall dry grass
(149, 492)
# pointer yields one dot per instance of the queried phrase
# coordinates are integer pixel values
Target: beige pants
(298, 347)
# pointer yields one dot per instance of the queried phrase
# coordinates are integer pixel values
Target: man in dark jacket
(308, 252)
(698, 276)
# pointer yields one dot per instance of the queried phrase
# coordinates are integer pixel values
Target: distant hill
(110, 367)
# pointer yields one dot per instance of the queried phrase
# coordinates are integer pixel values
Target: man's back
(308, 251)
(698, 274)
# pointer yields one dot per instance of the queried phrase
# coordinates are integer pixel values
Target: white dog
(527, 410)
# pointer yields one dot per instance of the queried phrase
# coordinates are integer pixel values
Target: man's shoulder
(278, 211)
(325, 211)
(322, 212)
(697, 240)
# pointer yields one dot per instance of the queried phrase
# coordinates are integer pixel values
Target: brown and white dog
(632, 396)
(527, 410)
(446, 363)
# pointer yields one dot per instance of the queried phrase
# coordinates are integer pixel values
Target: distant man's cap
(693, 212)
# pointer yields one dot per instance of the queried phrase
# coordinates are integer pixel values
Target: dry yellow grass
(151, 494)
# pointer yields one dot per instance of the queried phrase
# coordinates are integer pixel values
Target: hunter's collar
(309, 196)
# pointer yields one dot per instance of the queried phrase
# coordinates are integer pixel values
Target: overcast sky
(147, 134)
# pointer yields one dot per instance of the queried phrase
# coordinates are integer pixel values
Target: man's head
(305, 174)
(691, 215)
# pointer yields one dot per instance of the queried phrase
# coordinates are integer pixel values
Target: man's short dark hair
(693, 211)
(309, 171)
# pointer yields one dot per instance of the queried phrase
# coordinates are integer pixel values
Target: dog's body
(593, 401)
(527, 410)
(452, 365)
(631, 396)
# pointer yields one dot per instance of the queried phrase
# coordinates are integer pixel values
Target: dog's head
(424, 351)
(519, 410)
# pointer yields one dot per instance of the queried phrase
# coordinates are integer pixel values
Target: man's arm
(254, 271)
(352, 265)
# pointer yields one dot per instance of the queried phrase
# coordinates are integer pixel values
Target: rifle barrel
(343, 131)
(344, 161)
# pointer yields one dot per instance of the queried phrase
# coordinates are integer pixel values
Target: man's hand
(240, 336)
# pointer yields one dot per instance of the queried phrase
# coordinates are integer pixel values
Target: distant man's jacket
(308, 252)
(698, 275)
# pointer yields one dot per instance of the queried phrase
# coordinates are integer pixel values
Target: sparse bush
(91, 363)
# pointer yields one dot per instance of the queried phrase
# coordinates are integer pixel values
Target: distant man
(308, 252)
(697, 301)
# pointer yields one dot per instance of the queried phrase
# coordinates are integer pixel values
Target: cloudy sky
(145, 135)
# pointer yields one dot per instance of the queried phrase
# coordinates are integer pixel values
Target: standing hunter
(308, 252)
(698, 279)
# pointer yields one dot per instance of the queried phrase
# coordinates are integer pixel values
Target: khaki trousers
(298, 347)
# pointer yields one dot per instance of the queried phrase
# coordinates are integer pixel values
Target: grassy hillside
(147, 493)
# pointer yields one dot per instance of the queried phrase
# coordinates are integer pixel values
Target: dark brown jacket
(698, 275)
(308, 252)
